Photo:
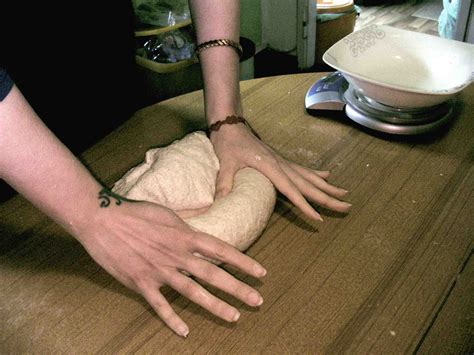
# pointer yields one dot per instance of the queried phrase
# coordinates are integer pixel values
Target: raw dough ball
(183, 176)
(179, 176)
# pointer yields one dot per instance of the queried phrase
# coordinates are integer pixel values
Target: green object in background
(251, 20)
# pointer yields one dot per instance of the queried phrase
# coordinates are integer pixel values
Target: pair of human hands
(146, 246)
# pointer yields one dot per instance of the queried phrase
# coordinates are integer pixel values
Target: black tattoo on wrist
(105, 195)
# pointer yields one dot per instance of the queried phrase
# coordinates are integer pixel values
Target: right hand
(146, 246)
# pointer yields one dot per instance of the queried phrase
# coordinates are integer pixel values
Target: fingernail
(183, 331)
(255, 299)
(347, 205)
(236, 317)
(259, 270)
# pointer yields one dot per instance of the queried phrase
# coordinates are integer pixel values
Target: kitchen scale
(334, 93)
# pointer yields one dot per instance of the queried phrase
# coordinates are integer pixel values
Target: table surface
(394, 275)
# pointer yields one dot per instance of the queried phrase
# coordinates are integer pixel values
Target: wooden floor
(398, 15)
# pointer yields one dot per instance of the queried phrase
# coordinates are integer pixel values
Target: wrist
(229, 133)
(226, 127)
(87, 215)
(218, 108)
(219, 114)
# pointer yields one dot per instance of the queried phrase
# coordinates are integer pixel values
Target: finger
(314, 194)
(165, 312)
(283, 183)
(324, 174)
(216, 249)
(225, 179)
(219, 278)
(191, 212)
(318, 181)
(199, 295)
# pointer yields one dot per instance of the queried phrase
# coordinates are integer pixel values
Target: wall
(251, 21)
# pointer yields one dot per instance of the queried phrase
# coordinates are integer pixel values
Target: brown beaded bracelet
(217, 43)
(231, 120)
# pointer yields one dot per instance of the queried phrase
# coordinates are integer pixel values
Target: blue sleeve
(6, 84)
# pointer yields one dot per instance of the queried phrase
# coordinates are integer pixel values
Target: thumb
(225, 180)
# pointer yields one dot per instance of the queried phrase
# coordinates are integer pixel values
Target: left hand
(236, 147)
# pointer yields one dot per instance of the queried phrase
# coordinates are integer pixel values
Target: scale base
(398, 129)
(333, 93)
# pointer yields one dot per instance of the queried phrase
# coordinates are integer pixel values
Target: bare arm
(143, 245)
(220, 65)
(35, 163)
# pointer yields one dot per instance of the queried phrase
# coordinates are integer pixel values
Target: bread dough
(179, 176)
(183, 176)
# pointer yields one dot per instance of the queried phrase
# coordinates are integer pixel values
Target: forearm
(217, 19)
(41, 168)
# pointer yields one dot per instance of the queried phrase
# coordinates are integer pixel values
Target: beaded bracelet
(220, 42)
(231, 120)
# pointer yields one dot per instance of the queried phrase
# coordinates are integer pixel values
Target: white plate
(402, 68)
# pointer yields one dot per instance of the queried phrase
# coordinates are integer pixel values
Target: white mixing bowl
(402, 68)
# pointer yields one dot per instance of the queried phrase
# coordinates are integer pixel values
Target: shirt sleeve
(6, 84)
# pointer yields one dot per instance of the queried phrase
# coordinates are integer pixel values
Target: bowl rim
(329, 59)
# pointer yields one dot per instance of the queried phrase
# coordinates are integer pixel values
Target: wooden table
(395, 275)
